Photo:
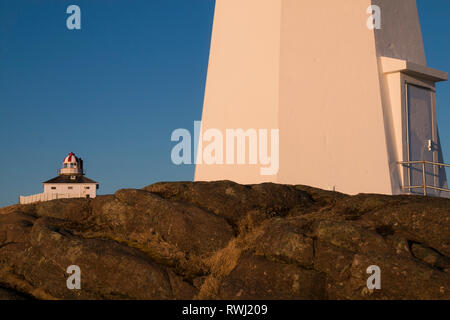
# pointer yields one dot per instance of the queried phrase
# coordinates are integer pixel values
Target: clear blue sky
(114, 91)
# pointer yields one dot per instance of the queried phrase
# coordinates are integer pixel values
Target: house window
(70, 188)
(87, 188)
(53, 188)
(73, 177)
(65, 165)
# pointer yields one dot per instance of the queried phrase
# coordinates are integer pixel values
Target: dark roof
(67, 179)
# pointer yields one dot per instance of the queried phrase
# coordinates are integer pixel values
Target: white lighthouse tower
(70, 183)
(347, 85)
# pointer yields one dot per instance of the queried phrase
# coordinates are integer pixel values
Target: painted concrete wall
(329, 85)
(243, 77)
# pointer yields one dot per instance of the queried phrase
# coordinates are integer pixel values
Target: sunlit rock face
(222, 240)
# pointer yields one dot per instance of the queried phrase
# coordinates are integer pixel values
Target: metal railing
(59, 171)
(424, 186)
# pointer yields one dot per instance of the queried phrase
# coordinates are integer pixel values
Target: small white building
(70, 183)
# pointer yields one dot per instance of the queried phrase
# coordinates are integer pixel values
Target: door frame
(409, 80)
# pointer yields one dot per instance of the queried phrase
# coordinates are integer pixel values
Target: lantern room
(72, 165)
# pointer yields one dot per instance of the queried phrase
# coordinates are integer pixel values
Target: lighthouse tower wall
(243, 78)
(315, 71)
(332, 133)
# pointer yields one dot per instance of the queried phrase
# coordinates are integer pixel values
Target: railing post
(424, 177)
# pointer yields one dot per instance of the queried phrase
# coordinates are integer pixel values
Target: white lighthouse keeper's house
(70, 183)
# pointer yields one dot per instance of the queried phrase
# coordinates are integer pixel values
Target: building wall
(77, 189)
(331, 121)
(312, 69)
(400, 37)
(393, 95)
(308, 68)
(243, 78)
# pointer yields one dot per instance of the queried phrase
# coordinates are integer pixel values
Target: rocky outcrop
(222, 240)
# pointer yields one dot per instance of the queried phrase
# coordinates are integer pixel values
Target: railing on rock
(424, 185)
